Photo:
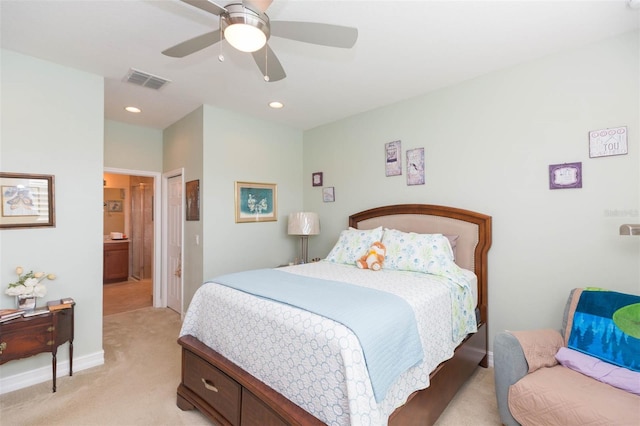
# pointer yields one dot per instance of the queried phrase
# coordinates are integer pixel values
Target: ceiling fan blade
(207, 6)
(257, 5)
(269, 64)
(316, 33)
(193, 45)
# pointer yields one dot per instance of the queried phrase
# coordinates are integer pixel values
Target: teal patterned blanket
(606, 325)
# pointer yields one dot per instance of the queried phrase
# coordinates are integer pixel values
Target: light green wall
(132, 147)
(488, 144)
(220, 147)
(240, 148)
(52, 123)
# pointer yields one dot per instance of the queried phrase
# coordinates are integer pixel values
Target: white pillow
(353, 244)
(408, 251)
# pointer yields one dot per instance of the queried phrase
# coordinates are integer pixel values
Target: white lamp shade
(303, 223)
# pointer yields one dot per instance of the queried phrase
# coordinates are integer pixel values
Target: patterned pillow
(408, 251)
(352, 244)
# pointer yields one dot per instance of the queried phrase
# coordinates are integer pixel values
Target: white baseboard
(490, 358)
(43, 374)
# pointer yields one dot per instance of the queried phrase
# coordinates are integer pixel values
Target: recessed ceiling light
(133, 109)
(276, 105)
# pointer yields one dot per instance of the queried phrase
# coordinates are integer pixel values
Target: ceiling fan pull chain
(221, 56)
(266, 64)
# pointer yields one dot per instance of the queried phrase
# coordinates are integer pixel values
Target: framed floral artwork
(256, 202)
(27, 200)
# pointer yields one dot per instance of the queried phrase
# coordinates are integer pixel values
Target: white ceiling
(404, 48)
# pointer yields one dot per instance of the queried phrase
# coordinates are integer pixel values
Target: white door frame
(165, 209)
(159, 298)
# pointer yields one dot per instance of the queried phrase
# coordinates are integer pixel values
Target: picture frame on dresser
(27, 200)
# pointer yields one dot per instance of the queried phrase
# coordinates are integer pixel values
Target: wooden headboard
(473, 231)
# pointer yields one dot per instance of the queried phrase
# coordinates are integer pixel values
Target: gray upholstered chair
(510, 366)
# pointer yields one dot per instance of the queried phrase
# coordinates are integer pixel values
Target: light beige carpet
(137, 384)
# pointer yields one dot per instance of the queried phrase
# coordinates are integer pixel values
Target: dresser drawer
(26, 337)
(219, 391)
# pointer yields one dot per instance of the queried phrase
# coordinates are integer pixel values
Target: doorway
(141, 211)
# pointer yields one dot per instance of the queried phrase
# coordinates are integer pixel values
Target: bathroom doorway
(141, 226)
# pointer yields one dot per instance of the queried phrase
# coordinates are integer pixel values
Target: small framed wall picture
(393, 158)
(607, 142)
(415, 166)
(27, 200)
(193, 200)
(316, 179)
(567, 175)
(114, 206)
(328, 194)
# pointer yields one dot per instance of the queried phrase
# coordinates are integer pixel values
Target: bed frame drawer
(220, 391)
(256, 413)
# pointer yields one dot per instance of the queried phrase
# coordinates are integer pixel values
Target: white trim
(159, 299)
(165, 210)
(43, 374)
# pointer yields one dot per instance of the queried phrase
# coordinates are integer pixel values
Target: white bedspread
(316, 362)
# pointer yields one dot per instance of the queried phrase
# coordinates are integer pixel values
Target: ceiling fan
(246, 27)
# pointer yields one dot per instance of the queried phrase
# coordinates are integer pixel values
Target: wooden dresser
(24, 337)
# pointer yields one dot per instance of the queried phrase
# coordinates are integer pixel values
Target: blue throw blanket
(606, 325)
(383, 322)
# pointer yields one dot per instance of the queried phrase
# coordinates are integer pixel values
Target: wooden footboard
(228, 395)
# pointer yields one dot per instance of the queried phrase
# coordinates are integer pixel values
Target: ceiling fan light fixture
(245, 38)
(244, 29)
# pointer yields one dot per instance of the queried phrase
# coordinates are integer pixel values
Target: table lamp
(304, 224)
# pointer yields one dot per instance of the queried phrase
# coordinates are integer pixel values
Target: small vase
(26, 303)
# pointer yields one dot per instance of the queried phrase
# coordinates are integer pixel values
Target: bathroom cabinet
(115, 262)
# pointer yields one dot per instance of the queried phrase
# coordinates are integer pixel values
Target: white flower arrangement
(29, 284)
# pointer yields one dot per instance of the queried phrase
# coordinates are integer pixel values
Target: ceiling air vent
(141, 78)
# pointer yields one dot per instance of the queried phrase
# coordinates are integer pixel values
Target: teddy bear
(374, 257)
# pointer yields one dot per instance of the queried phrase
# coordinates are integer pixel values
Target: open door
(174, 243)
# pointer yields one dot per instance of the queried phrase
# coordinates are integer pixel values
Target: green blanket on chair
(606, 325)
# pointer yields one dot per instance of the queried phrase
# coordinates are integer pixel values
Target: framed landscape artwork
(27, 200)
(256, 202)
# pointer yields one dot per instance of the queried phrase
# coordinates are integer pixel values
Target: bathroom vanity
(115, 261)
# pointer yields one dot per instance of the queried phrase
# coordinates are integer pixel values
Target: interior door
(174, 243)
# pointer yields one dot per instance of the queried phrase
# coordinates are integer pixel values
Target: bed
(232, 384)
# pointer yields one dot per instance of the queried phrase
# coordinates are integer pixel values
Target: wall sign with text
(606, 142)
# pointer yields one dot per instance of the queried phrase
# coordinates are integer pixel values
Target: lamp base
(304, 245)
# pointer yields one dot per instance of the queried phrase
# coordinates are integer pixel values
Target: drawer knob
(3, 346)
(209, 385)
